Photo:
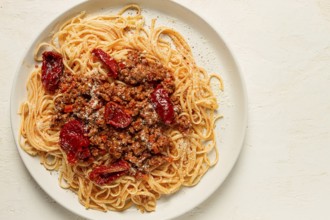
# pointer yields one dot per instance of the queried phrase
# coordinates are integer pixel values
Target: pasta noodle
(117, 35)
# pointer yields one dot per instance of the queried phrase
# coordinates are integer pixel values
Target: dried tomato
(108, 61)
(116, 115)
(51, 70)
(73, 142)
(106, 174)
(163, 104)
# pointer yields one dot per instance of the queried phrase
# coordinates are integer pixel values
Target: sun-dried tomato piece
(116, 115)
(73, 142)
(51, 70)
(106, 174)
(108, 61)
(163, 104)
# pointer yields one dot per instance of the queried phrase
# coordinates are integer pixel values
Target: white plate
(210, 52)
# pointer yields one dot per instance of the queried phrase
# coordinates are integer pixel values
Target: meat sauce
(119, 121)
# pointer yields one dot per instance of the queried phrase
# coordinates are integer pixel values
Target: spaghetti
(103, 176)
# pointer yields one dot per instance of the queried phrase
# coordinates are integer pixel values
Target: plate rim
(62, 15)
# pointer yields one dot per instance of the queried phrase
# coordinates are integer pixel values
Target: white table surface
(283, 48)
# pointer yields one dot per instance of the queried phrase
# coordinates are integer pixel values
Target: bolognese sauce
(120, 121)
(121, 128)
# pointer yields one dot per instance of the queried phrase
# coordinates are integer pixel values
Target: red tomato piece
(163, 104)
(106, 174)
(68, 108)
(73, 142)
(51, 70)
(108, 61)
(116, 115)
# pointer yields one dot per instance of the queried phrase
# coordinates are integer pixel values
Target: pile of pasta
(117, 34)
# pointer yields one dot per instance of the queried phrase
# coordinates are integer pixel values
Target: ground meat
(183, 123)
(144, 142)
(137, 70)
(148, 114)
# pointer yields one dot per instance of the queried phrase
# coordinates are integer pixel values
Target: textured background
(283, 48)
